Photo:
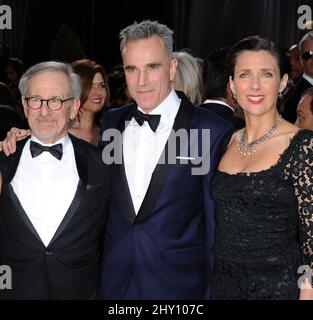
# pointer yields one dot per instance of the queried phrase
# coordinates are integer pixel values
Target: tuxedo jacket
(165, 251)
(224, 112)
(68, 268)
(290, 106)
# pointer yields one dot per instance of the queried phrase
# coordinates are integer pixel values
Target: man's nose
(44, 110)
(143, 77)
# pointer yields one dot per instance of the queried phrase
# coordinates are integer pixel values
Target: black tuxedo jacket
(68, 268)
(290, 106)
(224, 112)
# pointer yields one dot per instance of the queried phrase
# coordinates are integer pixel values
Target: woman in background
(8, 114)
(94, 100)
(188, 77)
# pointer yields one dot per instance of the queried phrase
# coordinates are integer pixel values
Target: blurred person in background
(188, 76)
(94, 100)
(305, 110)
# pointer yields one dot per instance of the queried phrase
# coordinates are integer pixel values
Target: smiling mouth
(97, 100)
(255, 99)
(144, 91)
(45, 123)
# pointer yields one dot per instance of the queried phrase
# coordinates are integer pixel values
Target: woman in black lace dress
(263, 187)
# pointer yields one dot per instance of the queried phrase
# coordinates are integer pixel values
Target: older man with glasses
(306, 81)
(53, 195)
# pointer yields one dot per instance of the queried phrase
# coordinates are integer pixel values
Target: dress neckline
(293, 139)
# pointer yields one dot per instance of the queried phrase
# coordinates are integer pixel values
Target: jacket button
(48, 253)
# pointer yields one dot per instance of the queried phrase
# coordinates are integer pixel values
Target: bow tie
(152, 119)
(36, 149)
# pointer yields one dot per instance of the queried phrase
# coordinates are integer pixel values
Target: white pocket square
(185, 158)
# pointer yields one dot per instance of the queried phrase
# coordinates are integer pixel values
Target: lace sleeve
(302, 176)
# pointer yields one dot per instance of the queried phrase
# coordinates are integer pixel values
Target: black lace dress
(264, 226)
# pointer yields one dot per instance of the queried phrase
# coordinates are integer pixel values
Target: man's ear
(74, 109)
(24, 103)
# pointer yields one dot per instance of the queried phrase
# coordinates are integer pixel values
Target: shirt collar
(167, 109)
(308, 78)
(219, 102)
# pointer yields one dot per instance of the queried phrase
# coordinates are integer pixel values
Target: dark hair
(257, 43)
(6, 96)
(8, 115)
(17, 65)
(118, 87)
(8, 118)
(216, 78)
(87, 69)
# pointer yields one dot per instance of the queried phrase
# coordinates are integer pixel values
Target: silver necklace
(250, 148)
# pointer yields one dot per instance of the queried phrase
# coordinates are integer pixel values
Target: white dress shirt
(142, 147)
(219, 102)
(308, 78)
(46, 186)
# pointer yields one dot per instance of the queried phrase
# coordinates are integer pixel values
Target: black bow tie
(36, 149)
(152, 119)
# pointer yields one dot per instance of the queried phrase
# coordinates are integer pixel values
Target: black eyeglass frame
(307, 55)
(47, 100)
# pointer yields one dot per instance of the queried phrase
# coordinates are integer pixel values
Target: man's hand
(8, 145)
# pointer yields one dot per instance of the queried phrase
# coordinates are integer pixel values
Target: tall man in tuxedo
(305, 82)
(160, 230)
(54, 192)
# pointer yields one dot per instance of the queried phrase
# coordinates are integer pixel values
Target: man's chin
(146, 106)
(46, 137)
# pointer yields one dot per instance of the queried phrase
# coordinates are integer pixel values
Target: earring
(234, 97)
(280, 95)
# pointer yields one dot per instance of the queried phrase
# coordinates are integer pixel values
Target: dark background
(67, 30)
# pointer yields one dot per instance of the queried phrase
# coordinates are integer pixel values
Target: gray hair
(51, 66)
(147, 29)
(306, 37)
(188, 76)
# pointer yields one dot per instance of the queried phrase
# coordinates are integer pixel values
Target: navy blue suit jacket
(165, 251)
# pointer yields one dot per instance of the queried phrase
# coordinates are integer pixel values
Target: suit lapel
(162, 171)
(22, 214)
(119, 180)
(13, 161)
(81, 163)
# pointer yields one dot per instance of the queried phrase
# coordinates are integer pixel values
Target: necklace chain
(250, 148)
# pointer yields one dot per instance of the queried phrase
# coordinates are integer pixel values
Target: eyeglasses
(53, 104)
(307, 55)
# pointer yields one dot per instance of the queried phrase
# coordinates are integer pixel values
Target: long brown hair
(87, 69)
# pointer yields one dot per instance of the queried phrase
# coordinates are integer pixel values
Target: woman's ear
(283, 82)
(231, 84)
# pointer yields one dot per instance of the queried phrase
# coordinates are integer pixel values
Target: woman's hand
(8, 145)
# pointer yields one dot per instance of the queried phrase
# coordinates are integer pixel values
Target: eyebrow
(262, 69)
(95, 82)
(154, 64)
(150, 64)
